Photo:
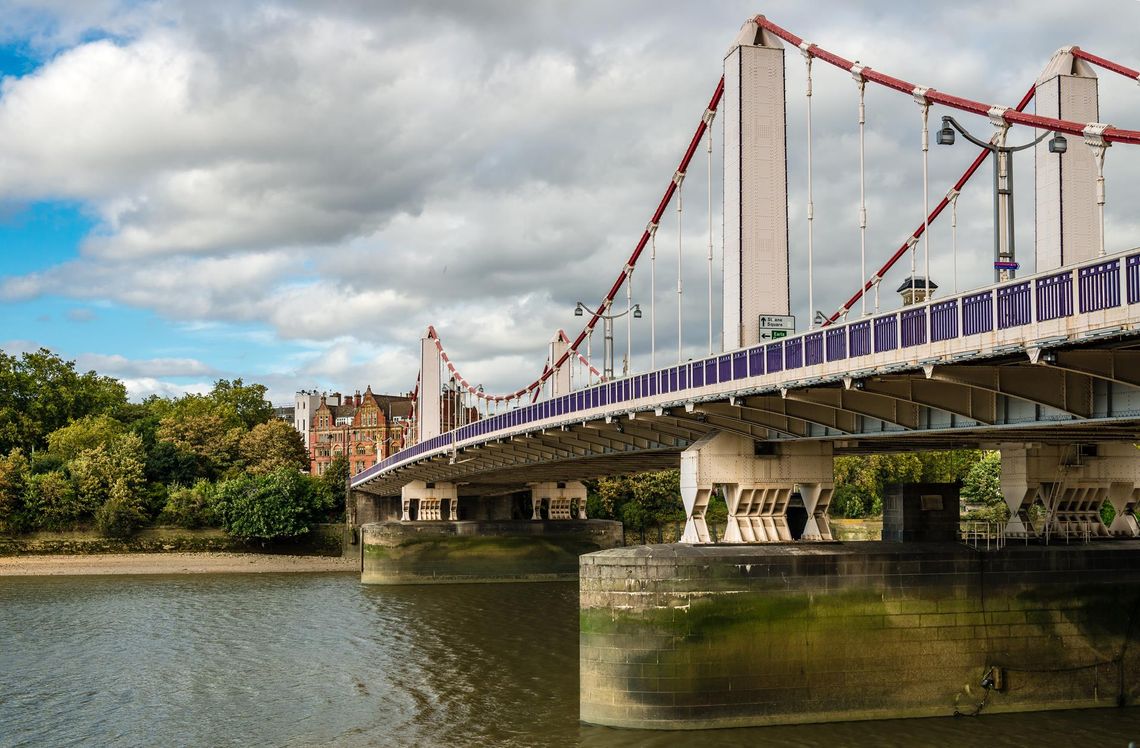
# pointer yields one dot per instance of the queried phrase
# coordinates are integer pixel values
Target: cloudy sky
(290, 192)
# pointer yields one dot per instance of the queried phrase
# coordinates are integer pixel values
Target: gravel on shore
(170, 563)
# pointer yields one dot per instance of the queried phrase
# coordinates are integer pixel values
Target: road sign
(776, 326)
(1006, 265)
(777, 322)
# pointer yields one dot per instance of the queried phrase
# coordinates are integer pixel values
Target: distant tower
(755, 185)
(304, 403)
(915, 288)
(1068, 226)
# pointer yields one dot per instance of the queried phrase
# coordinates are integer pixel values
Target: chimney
(356, 399)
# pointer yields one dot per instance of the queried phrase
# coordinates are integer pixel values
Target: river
(319, 660)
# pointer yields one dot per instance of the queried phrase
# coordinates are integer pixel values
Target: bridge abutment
(758, 488)
(688, 637)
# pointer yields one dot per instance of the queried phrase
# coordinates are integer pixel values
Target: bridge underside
(1057, 397)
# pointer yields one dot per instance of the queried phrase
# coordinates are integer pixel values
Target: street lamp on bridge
(608, 319)
(1004, 262)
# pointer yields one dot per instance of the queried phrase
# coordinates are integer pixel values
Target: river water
(317, 659)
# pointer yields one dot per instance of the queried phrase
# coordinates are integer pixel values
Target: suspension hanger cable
(857, 73)
(679, 178)
(924, 104)
(805, 49)
(628, 367)
(709, 115)
(652, 229)
(952, 196)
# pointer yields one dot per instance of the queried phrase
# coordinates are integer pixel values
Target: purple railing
(775, 354)
(944, 320)
(978, 313)
(1055, 296)
(813, 349)
(1013, 306)
(1099, 286)
(860, 335)
(913, 323)
(794, 353)
(1133, 270)
(836, 343)
(886, 333)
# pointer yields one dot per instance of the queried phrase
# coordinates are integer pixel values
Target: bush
(52, 499)
(190, 507)
(282, 504)
(121, 515)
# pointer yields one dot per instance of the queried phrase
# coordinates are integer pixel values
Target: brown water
(314, 660)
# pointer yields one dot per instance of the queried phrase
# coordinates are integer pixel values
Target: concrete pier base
(687, 637)
(435, 552)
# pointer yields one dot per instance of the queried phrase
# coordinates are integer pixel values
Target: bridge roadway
(1052, 358)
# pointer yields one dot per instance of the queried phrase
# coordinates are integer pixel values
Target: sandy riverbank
(171, 563)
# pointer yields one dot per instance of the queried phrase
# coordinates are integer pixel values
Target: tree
(53, 502)
(246, 401)
(40, 392)
(274, 444)
(205, 436)
(281, 504)
(87, 432)
(97, 471)
(640, 501)
(190, 507)
(122, 514)
(13, 485)
(335, 480)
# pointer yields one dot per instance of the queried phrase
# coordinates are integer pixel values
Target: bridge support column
(1072, 482)
(562, 500)
(426, 501)
(757, 488)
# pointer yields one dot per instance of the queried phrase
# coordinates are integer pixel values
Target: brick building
(365, 427)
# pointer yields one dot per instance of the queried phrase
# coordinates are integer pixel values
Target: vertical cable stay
(709, 115)
(924, 103)
(952, 196)
(857, 73)
(628, 367)
(805, 48)
(652, 229)
(679, 178)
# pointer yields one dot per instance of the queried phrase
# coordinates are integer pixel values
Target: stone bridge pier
(758, 486)
(1072, 482)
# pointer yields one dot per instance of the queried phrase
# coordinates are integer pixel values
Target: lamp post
(1004, 247)
(608, 327)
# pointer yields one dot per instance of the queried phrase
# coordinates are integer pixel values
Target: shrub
(190, 507)
(122, 514)
(52, 497)
(281, 504)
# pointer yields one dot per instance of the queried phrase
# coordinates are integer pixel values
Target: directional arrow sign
(777, 322)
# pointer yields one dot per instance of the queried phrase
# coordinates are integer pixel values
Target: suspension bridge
(1044, 365)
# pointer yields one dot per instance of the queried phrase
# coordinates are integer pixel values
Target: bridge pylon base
(429, 501)
(757, 488)
(558, 500)
(1072, 482)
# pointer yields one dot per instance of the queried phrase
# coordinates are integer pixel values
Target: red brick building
(364, 427)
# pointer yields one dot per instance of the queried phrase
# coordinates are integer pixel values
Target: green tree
(190, 507)
(97, 470)
(87, 432)
(53, 502)
(40, 392)
(281, 504)
(335, 481)
(122, 514)
(205, 436)
(14, 471)
(272, 445)
(247, 401)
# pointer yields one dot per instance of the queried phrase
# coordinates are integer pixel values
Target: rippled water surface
(303, 660)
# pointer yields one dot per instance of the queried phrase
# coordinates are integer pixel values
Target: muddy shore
(171, 563)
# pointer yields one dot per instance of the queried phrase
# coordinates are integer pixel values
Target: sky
(291, 192)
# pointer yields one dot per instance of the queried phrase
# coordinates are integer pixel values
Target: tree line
(75, 454)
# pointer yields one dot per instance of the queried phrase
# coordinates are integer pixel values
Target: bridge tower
(1068, 227)
(755, 185)
(429, 401)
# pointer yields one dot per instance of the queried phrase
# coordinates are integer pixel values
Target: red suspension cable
(1115, 67)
